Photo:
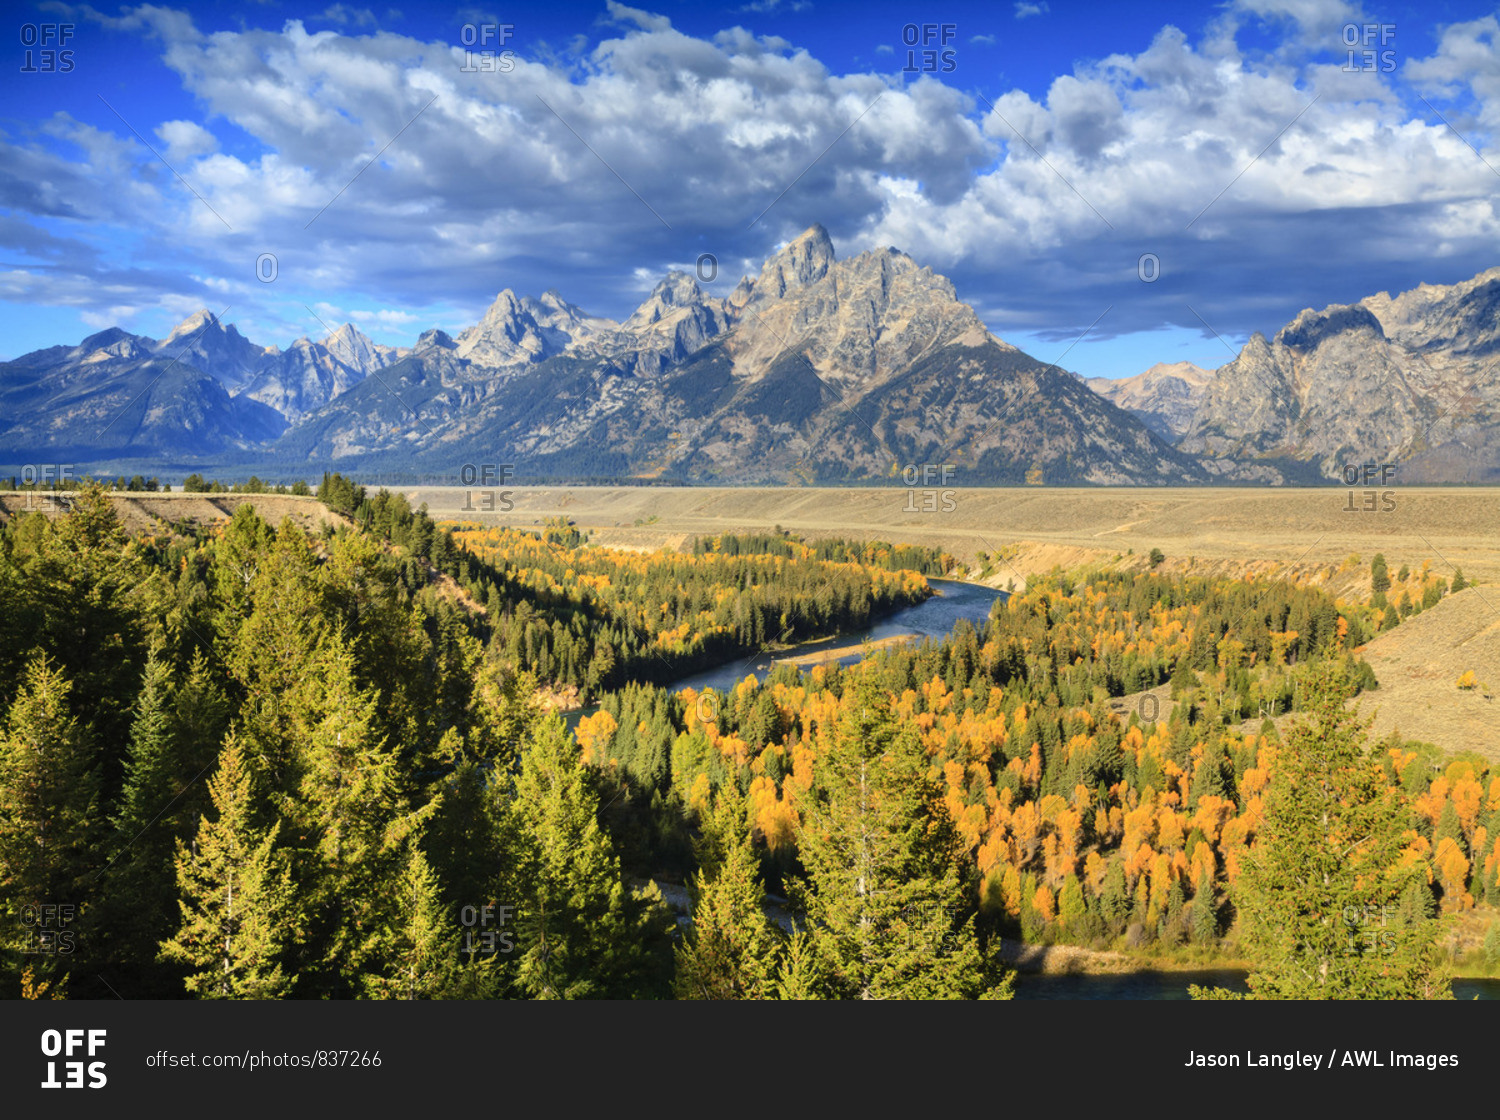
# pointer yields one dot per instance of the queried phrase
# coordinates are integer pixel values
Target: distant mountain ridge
(814, 370)
(203, 390)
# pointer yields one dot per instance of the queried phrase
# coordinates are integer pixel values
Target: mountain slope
(127, 407)
(307, 375)
(813, 369)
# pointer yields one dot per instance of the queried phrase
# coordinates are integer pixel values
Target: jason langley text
(1301, 1060)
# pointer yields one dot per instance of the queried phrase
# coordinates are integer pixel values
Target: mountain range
(816, 370)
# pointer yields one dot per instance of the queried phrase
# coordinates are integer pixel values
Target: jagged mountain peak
(1188, 372)
(1408, 379)
(1163, 397)
(197, 321)
(677, 290)
(347, 331)
(861, 319)
(112, 345)
(1424, 295)
(220, 351)
(107, 337)
(352, 346)
(518, 330)
(1462, 318)
(817, 367)
(804, 260)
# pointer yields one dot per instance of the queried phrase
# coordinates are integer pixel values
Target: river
(934, 618)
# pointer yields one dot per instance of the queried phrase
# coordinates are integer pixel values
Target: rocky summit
(1164, 397)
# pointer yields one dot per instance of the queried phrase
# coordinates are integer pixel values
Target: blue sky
(1109, 185)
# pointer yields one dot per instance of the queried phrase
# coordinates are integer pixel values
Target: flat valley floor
(1248, 526)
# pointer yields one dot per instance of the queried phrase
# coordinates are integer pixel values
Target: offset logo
(487, 475)
(66, 1044)
(47, 929)
(935, 57)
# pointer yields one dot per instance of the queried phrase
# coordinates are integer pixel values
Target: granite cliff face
(307, 375)
(1408, 380)
(208, 346)
(518, 330)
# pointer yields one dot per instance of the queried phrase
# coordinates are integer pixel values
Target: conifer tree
(1330, 847)
(415, 955)
(1114, 900)
(731, 950)
(888, 899)
(466, 840)
(1448, 828)
(235, 895)
(270, 652)
(90, 581)
(200, 719)
(48, 804)
(1205, 912)
(800, 974)
(349, 818)
(581, 932)
(139, 899)
(238, 555)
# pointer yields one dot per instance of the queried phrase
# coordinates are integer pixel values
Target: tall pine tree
(416, 952)
(235, 896)
(138, 897)
(889, 901)
(732, 950)
(48, 834)
(1319, 895)
(349, 818)
(581, 931)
